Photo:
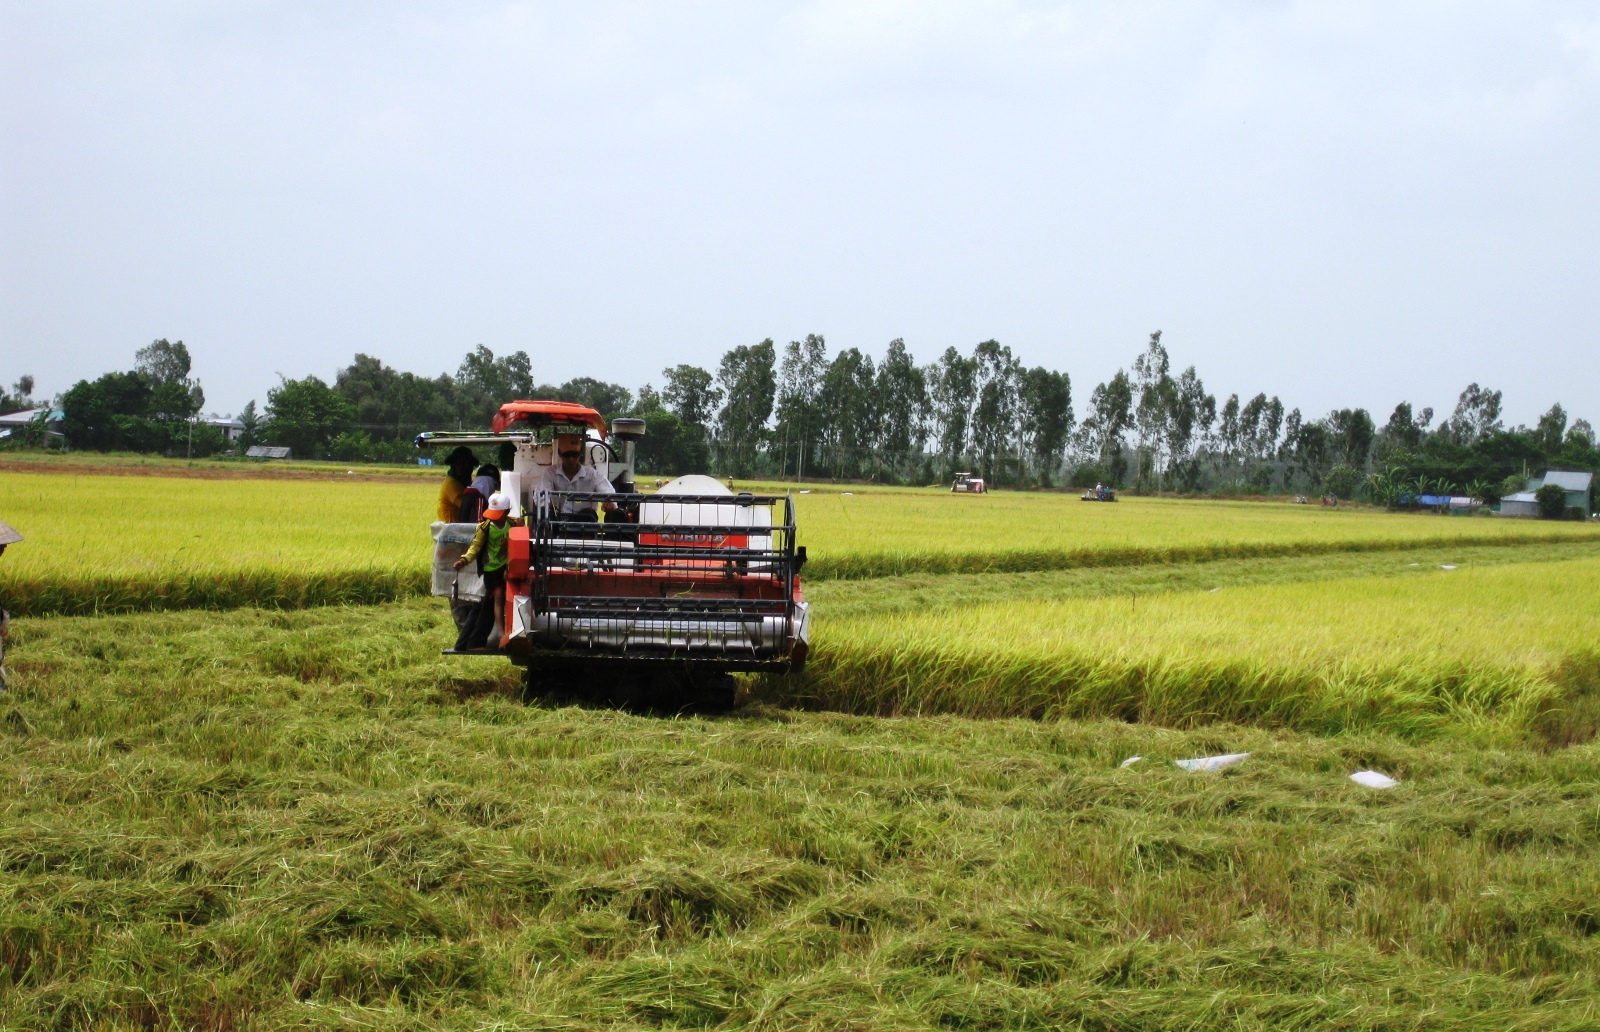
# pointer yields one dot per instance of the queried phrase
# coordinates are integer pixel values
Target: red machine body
(693, 577)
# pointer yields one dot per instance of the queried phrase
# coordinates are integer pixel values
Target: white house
(231, 428)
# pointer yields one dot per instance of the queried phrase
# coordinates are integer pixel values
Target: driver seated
(570, 473)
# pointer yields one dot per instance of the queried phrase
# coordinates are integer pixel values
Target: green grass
(125, 543)
(1495, 646)
(260, 820)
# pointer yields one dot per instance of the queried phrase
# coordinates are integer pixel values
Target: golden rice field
(885, 532)
(262, 819)
(1500, 646)
(108, 543)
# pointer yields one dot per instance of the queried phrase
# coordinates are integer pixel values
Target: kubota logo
(695, 540)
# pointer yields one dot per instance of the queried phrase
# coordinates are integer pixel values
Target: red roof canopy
(543, 413)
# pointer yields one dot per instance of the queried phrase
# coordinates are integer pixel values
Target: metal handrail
(635, 497)
(550, 545)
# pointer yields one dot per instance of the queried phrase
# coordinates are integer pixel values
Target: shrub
(1088, 475)
(308, 416)
(1552, 501)
(1343, 480)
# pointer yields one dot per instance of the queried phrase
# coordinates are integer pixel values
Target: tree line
(802, 412)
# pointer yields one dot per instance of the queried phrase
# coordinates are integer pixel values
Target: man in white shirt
(568, 473)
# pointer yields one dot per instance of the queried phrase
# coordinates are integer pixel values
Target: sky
(1342, 203)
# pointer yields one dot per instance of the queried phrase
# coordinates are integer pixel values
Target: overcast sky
(1344, 203)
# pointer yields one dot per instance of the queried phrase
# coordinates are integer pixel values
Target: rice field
(1499, 646)
(260, 820)
(884, 533)
(120, 543)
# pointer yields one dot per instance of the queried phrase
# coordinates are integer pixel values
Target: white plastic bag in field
(1372, 779)
(1203, 763)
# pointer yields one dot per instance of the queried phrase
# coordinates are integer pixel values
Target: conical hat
(8, 536)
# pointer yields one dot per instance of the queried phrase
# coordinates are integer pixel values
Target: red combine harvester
(656, 605)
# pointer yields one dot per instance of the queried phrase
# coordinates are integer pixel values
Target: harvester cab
(661, 601)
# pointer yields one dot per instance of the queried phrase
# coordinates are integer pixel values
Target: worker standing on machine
(491, 543)
(451, 492)
(570, 473)
(476, 498)
(455, 483)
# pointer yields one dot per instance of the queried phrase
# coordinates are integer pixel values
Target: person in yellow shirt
(455, 483)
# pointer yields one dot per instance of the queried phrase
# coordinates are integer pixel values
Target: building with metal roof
(1578, 485)
(26, 416)
(231, 428)
(15, 422)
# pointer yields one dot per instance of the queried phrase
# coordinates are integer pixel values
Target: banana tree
(1387, 486)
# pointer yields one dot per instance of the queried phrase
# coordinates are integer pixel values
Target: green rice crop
(260, 820)
(1494, 647)
(118, 543)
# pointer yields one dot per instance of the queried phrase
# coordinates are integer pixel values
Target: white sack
(450, 541)
(1211, 762)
